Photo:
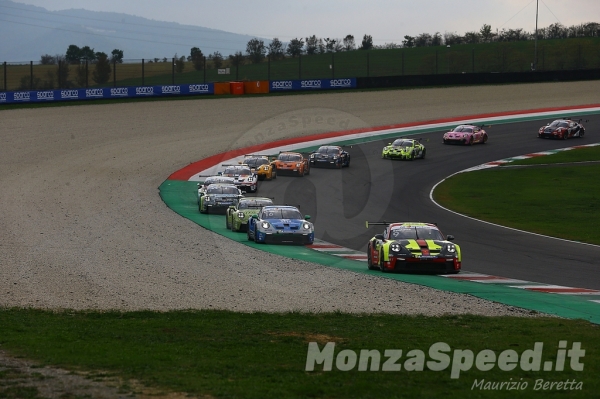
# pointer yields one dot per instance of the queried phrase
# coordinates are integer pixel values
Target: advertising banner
(32, 96)
(313, 84)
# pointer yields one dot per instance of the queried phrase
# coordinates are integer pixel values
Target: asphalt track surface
(376, 189)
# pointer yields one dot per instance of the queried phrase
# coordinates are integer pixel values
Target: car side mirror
(307, 217)
(198, 184)
(379, 236)
(231, 207)
(220, 173)
(450, 237)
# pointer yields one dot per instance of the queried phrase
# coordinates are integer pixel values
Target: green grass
(560, 201)
(232, 355)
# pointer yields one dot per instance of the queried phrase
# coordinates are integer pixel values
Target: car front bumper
(437, 265)
(285, 238)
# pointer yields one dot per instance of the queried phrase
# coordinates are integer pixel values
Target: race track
(375, 189)
(83, 226)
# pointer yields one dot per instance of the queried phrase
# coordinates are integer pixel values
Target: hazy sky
(385, 20)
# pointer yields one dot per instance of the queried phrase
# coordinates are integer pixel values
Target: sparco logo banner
(199, 88)
(45, 95)
(3, 97)
(171, 89)
(69, 94)
(119, 92)
(282, 85)
(340, 83)
(22, 96)
(144, 91)
(310, 84)
(94, 93)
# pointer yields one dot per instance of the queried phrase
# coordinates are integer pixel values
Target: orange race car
(292, 163)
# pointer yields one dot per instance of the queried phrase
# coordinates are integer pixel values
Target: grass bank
(231, 355)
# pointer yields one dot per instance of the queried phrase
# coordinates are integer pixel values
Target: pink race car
(466, 135)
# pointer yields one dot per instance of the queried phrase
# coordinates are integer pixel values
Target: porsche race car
(211, 180)
(330, 156)
(281, 224)
(218, 197)
(239, 214)
(262, 166)
(562, 129)
(404, 148)
(413, 247)
(245, 179)
(292, 163)
(466, 135)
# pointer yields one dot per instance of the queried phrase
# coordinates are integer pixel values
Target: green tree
(349, 43)
(276, 51)
(217, 59)
(87, 54)
(117, 56)
(48, 59)
(408, 42)
(102, 69)
(256, 50)
(73, 55)
(197, 58)
(367, 42)
(236, 59)
(312, 45)
(486, 33)
(179, 63)
(330, 45)
(294, 47)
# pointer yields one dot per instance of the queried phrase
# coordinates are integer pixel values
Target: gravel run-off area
(82, 225)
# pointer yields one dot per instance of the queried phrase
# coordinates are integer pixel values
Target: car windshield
(463, 129)
(255, 162)
(328, 150)
(415, 232)
(290, 157)
(559, 124)
(212, 180)
(237, 171)
(402, 143)
(281, 213)
(217, 189)
(254, 204)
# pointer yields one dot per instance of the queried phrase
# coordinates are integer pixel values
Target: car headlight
(250, 178)
(395, 247)
(208, 198)
(265, 225)
(306, 226)
(297, 165)
(335, 157)
(312, 155)
(451, 248)
(241, 215)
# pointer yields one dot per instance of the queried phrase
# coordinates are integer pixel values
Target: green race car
(404, 149)
(413, 247)
(239, 214)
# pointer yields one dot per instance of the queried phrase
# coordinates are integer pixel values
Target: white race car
(245, 179)
(211, 180)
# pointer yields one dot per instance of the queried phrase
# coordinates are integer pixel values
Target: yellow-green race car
(413, 247)
(239, 214)
(403, 148)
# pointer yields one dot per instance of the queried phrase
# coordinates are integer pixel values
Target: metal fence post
(86, 73)
(143, 72)
(115, 72)
(31, 75)
(368, 65)
(436, 61)
(299, 66)
(204, 70)
(173, 71)
(5, 87)
(402, 52)
(473, 60)
(59, 74)
(269, 67)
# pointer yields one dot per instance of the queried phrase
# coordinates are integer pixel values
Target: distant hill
(27, 32)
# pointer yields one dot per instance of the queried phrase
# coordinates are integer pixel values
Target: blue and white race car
(281, 224)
